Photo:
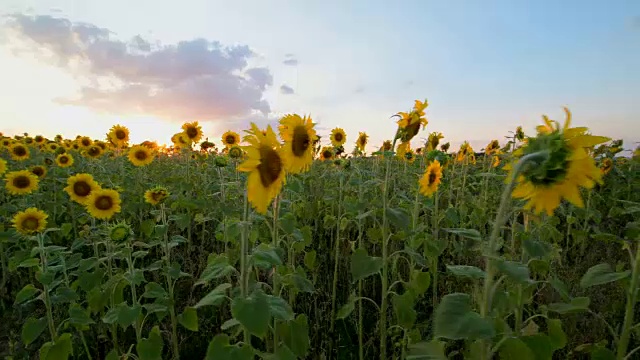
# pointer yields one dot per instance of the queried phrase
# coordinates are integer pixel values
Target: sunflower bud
(120, 232)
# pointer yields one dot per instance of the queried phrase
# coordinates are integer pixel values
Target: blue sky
(485, 66)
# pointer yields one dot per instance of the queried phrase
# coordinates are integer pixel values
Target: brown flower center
(301, 141)
(104, 202)
(121, 134)
(94, 151)
(338, 136)
(86, 142)
(327, 154)
(21, 182)
(38, 171)
(30, 224)
(432, 178)
(63, 159)
(141, 155)
(230, 139)
(192, 132)
(270, 166)
(19, 151)
(81, 188)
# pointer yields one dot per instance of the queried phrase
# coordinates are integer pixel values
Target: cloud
(290, 60)
(359, 90)
(194, 79)
(287, 90)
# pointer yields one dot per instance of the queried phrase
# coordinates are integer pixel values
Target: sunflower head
(120, 232)
(361, 143)
(53, 147)
(39, 139)
(84, 142)
(193, 131)
(118, 136)
(338, 137)
(64, 160)
(206, 145)
(402, 149)
(21, 182)
(19, 151)
(409, 156)
(445, 147)
(409, 123)
(495, 162)
(30, 221)
(298, 135)
(28, 140)
(93, 152)
(386, 145)
(519, 134)
(103, 203)
(230, 138)
(156, 195)
(39, 171)
(606, 165)
(140, 155)
(80, 187)
(235, 152)
(492, 147)
(326, 153)
(431, 179)
(6, 142)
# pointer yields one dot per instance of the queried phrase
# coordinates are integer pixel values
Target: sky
(79, 67)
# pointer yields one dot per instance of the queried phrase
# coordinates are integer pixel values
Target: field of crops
(278, 244)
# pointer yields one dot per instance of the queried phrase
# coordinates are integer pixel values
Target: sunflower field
(280, 244)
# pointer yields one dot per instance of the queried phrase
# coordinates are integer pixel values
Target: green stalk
(632, 293)
(172, 310)
(434, 288)
(134, 295)
(360, 309)
(275, 244)
(47, 300)
(385, 267)
(336, 259)
(243, 261)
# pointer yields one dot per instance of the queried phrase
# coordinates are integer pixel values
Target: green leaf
(398, 217)
(601, 274)
(151, 348)
(217, 267)
(123, 314)
(89, 280)
(136, 277)
(454, 320)
(403, 308)
(59, 350)
(265, 256)
(27, 292)
(576, 305)
(516, 271)
(556, 334)
(560, 287)
(219, 349)
(515, 349)
(279, 308)
(347, 308)
(30, 263)
(146, 227)
(295, 334)
(536, 249)
(32, 329)
(471, 234)
(79, 316)
(253, 312)
(215, 297)
(363, 265)
(154, 290)
(540, 345)
(64, 294)
(466, 271)
(602, 353)
(420, 281)
(229, 324)
(310, 259)
(300, 281)
(189, 319)
(432, 350)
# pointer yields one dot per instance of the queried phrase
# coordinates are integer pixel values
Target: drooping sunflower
(465, 152)
(39, 171)
(265, 165)
(519, 135)
(30, 221)
(298, 134)
(119, 136)
(410, 122)
(361, 143)
(326, 153)
(445, 147)
(93, 152)
(84, 142)
(606, 165)
(3, 166)
(103, 203)
(231, 138)
(21, 182)
(492, 147)
(140, 155)
(193, 131)
(64, 160)
(80, 187)
(19, 152)
(566, 169)
(430, 181)
(495, 162)
(156, 195)
(434, 140)
(338, 137)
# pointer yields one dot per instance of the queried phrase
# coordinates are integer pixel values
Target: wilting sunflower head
(21, 182)
(64, 160)
(326, 153)
(3, 166)
(409, 123)
(387, 145)
(30, 221)
(492, 147)
(156, 195)
(140, 155)
(402, 149)
(80, 187)
(206, 145)
(193, 131)
(298, 134)
(266, 167)
(120, 232)
(434, 140)
(564, 165)
(230, 138)
(118, 136)
(103, 203)
(431, 179)
(39, 171)
(19, 151)
(338, 137)
(236, 152)
(606, 165)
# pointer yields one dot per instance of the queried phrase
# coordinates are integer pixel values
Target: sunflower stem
(172, 310)
(434, 288)
(336, 261)
(243, 261)
(47, 299)
(385, 267)
(275, 244)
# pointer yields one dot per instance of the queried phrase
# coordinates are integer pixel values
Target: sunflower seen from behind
(30, 221)
(230, 138)
(409, 123)
(431, 179)
(434, 140)
(64, 160)
(265, 165)
(80, 187)
(19, 151)
(156, 195)
(298, 134)
(193, 131)
(140, 155)
(338, 137)
(362, 140)
(103, 204)
(567, 168)
(21, 182)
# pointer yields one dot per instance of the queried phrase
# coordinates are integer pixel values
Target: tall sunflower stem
(47, 300)
(244, 285)
(275, 243)
(632, 298)
(336, 260)
(435, 221)
(385, 267)
(172, 310)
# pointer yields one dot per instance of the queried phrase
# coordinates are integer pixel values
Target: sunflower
(445, 147)
(326, 153)
(386, 145)
(75, 146)
(430, 181)
(80, 187)
(181, 141)
(140, 155)
(492, 147)
(28, 140)
(52, 147)
(465, 153)
(361, 143)
(606, 165)
(19, 152)
(265, 166)
(519, 135)
(409, 156)
(495, 161)
(156, 195)
(567, 168)
(410, 122)
(193, 131)
(6, 142)
(434, 140)
(39, 139)
(402, 149)
(231, 138)
(94, 151)
(235, 152)
(3, 166)
(30, 221)
(103, 203)
(119, 136)
(298, 134)
(84, 142)
(64, 160)
(39, 171)
(338, 137)
(21, 182)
